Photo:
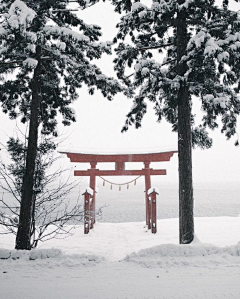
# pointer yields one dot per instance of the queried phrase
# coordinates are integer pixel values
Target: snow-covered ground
(124, 260)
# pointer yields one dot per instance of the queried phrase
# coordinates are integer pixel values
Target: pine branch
(64, 9)
(153, 47)
(82, 8)
(169, 61)
(195, 22)
(21, 61)
(165, 63)
(129, 75)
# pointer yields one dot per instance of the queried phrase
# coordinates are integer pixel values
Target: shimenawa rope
(116, 184)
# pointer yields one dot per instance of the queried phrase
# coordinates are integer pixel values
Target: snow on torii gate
(119, 160)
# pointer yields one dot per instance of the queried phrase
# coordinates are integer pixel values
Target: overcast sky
(99, 123)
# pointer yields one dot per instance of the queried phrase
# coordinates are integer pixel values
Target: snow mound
(56, 257)
(188, 255)
(31, 255)
(5, 254)
(187, 250)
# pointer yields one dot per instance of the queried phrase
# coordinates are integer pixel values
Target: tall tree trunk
(186, 220)
(23, 239)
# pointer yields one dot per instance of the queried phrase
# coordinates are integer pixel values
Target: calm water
(129, 205)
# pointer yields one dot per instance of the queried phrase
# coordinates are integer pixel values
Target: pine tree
(46, 51)
(176, 51)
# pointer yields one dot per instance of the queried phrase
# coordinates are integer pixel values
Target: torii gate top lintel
(142, 157)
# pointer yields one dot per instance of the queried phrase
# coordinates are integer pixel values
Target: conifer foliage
(45, 56)
(172, 52)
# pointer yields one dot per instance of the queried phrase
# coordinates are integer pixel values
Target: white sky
(99, 123)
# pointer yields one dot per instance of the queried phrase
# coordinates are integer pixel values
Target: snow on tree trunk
(23, 239)
(186, 221)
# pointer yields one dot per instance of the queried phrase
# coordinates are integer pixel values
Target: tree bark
(186, 219)
(23, 238)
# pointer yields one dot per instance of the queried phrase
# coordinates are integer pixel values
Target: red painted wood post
(153, 195)
(92, 185)
(147, 187)
(87, 197)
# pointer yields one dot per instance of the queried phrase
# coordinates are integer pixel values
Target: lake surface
(128, 205)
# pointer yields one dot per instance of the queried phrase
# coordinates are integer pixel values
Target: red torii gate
(120, 160)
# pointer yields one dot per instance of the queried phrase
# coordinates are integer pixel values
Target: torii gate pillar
(92, 185)
(147, 187)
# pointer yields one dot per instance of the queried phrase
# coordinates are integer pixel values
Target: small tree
(179, 50)
(48, 50)
(52, 211)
